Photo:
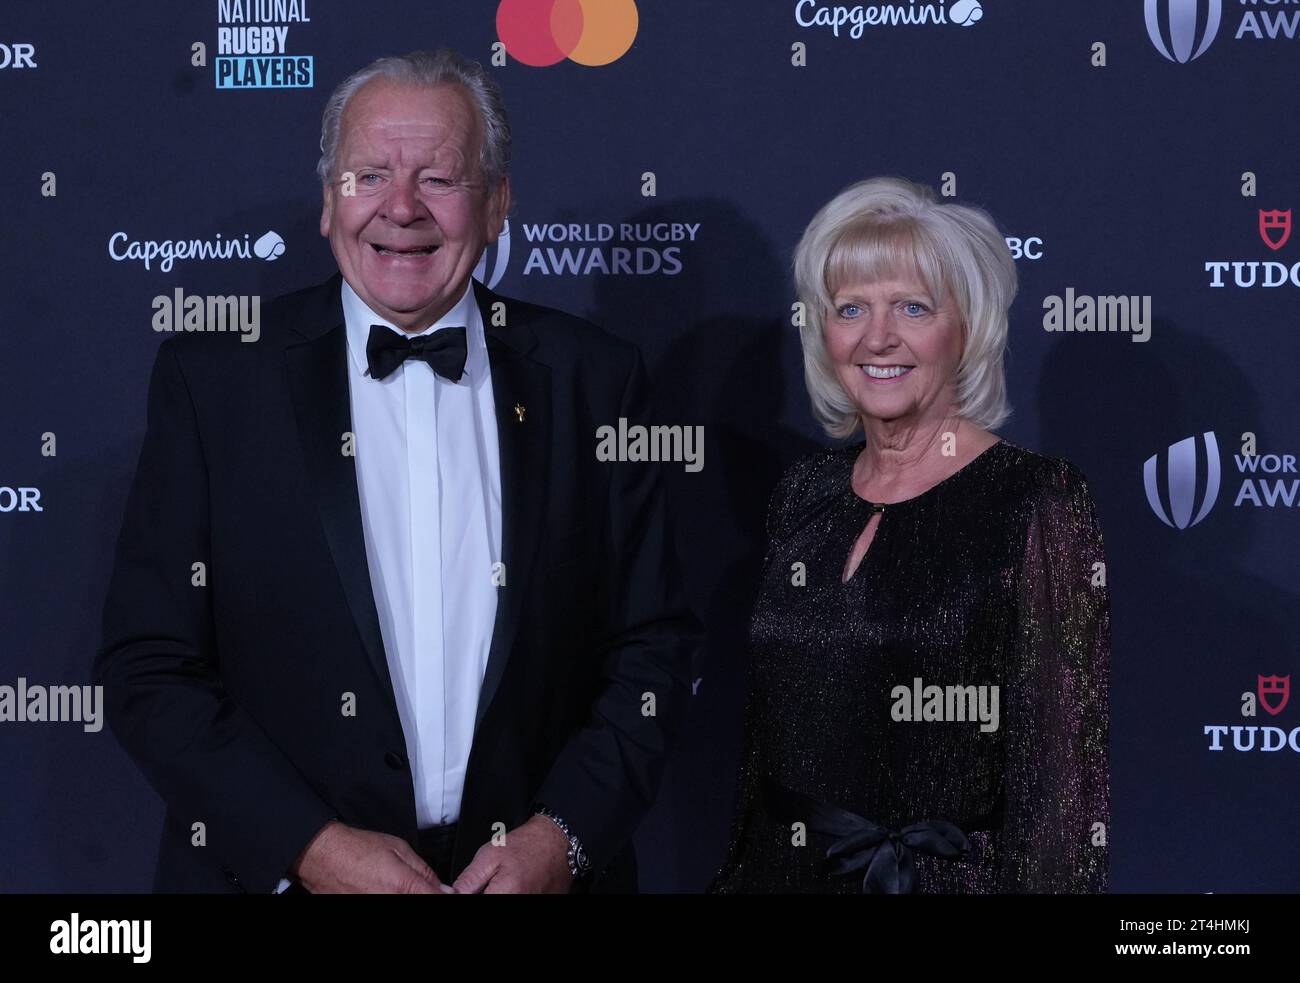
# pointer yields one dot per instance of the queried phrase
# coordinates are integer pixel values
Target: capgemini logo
(490, 268)
(1182, 482)
(966, 12)
(1183, 16)
(269, 247)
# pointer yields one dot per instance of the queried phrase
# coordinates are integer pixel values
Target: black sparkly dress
(993, 577)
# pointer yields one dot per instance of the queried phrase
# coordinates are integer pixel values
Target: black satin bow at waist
(885, 854)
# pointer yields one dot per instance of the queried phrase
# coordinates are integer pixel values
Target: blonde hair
(888, 226)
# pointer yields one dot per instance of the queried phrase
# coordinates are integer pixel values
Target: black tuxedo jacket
(227, 682)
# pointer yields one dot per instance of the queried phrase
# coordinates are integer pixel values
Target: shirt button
(394, 761)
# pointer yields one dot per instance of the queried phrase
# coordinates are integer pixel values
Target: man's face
(408, 240)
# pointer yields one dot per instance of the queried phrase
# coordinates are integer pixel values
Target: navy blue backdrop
(1121, 156)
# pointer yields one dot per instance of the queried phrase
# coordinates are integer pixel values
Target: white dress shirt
(429, 482)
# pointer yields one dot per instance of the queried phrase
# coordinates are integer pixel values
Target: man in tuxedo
(380, 620)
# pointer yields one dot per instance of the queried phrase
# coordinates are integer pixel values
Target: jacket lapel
(318, 378)
(518, 383)
(318, 381)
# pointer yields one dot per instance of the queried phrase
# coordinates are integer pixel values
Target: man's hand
(344, 860)
(534, 859)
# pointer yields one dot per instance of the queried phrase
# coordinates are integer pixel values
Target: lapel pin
(520, 409)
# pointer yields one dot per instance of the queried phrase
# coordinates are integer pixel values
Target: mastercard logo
(589, 32)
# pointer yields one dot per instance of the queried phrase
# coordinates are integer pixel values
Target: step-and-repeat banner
(1140, 158)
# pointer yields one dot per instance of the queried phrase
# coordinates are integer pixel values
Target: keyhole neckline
(882, 507)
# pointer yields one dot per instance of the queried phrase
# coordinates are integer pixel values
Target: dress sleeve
(747, 782)
(1057, 818)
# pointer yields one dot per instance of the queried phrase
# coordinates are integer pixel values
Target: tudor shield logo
(1182, 30)
(1275, 227)
(1274, 691)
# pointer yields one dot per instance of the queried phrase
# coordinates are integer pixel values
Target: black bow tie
(444, 350)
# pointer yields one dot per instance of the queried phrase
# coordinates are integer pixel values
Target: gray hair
(426, 69)
(887, 226)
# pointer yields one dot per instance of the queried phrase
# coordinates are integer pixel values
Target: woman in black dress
(928, 692)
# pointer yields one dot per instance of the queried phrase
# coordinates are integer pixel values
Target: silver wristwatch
(579, 865)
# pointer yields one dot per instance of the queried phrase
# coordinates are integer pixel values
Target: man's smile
(392, 250)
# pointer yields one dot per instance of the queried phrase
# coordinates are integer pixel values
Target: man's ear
(498, 208)
(327, 209)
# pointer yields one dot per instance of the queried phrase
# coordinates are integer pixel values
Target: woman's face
(894, 350)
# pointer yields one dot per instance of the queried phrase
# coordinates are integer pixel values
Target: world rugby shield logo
(492, 264)
(1182, 30)
(1182, 482)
